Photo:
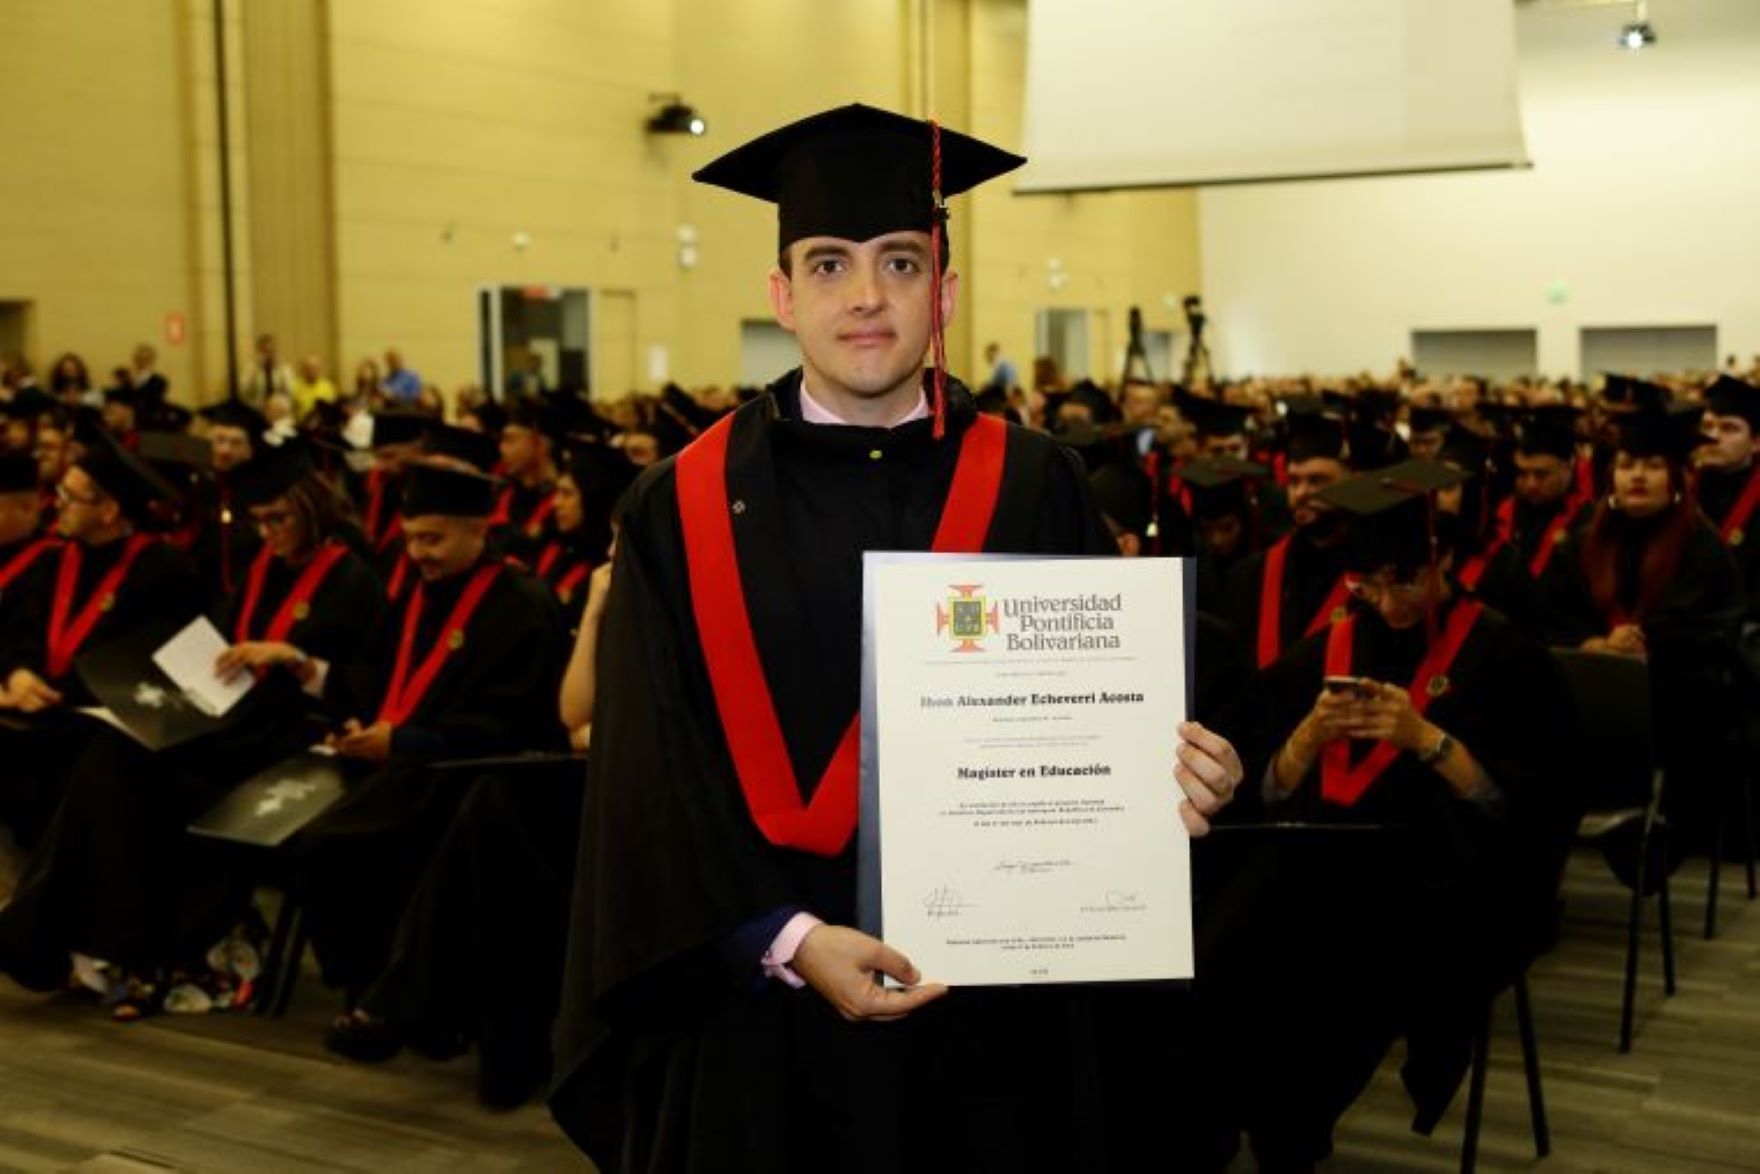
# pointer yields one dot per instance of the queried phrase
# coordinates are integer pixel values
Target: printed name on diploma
(1005, 700)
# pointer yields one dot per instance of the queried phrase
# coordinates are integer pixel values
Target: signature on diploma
(1117, 901)
(1030, 867)
(944, 902)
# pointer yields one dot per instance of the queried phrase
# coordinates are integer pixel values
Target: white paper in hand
(188, 659)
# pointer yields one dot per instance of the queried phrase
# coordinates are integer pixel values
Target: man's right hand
(29, 693)
(840, 963)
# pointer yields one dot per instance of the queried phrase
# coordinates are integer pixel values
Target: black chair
(1735, 790)
(1530, 1065)
(286, 954)
(1621, 780)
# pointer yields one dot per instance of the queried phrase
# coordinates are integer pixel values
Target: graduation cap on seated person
(856, 173)
(395, 428)
(1465, 449)
(18, 473)
(1429, 419)
(28, 404)
(437, 491)
(1549, 430)
(479, 450)
(1125, 495)
(235, 413)
(272, 471)
(1220, 485)
(1623, 393)
(1729, 396)
(1313, 436)
(125, 477)
(1212, 417)
(1671, 433)
(1391, 516)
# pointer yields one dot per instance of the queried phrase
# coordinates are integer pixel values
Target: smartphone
(1353, 685)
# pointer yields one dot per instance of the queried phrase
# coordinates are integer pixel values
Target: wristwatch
(1438, 752)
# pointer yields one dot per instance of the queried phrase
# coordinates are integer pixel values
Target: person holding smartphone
(1408, 756)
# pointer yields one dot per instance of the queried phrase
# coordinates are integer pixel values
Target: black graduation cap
(435, 491)
(1212, 417)
(1125, 494)
(18, 473)
(125, 393)
(175, 452)
(272, 470)
(1729, 396)
(1098, 403)
(1465, 448)
(1302, 404)
(391, 428)
(854, 172)
(88, 425)
(600, 472)
(491, 415)
(1428, 419)
(476, 449)
(235, 413)
(1375, 404)
(1373, 445)
(1549, 430)
(537, 412)
(1497, 414)
(126, 478)
(1662, 432)
(1219, 484)
(1624, 392)
(1313, 435)
(1389, 514)
(28, 403)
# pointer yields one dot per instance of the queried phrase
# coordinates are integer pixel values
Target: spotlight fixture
(1638, 33)
(675, 117)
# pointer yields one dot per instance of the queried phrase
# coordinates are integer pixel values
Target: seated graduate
(1429, 718)
(117, 879)
(478, 955)
(1295, 587)
(1552, 488)
(1647, 576)
(1487, 564)
(222, 539)
(720, 1011)
(1729, 477)
(523, 519)
(23, 542)
(1225, 515)
(466, 665)
(392, 436)
(586, 495)
(107, 579)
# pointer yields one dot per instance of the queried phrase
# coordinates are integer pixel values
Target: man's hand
(1388, 716)
(840, 963)
(1208, 771)
(29, 693)
(1628, 640)
(254, 654)
(372, 743)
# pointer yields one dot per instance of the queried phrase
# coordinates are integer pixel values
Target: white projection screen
(1178, 93)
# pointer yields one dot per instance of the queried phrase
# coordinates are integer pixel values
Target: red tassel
(937, 329)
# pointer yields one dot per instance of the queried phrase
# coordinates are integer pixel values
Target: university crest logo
(965, 618)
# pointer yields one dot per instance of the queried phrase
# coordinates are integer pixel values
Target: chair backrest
(1617, 754)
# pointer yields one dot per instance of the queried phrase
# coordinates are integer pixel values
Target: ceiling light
(1637, 35)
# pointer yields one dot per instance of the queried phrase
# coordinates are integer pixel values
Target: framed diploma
(1020, 818)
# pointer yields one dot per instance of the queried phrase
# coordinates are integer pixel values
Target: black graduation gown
(1309, 574)
(568, 572)
(1690, 635)
(14, 593)
(36, 751)
(1419, 925)
(1506, 585)
(674, 1054)
(358, 862)
(1718, 493)
(523, 532)
(224, 540)
(1531, 524)
(479, 951)
(117, 876)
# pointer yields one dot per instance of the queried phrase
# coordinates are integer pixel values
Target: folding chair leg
(1748, 832)
(1665, 919)
(1634, 919)
(269, 979)
(1476, 1095)
(290, 966)
(1711, 884)
(1531, 1065)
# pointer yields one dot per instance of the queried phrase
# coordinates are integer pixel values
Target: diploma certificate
(1020, 818)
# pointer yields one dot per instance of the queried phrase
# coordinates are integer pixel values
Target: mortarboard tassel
(937, 333)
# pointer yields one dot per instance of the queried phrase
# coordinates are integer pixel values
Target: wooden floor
(231, 1092)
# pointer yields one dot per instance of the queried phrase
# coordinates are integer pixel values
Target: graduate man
(719, 1011)
(1729, 477)
(468, 665)
(22, 543)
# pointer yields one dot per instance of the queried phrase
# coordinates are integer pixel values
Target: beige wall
(453, 126)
